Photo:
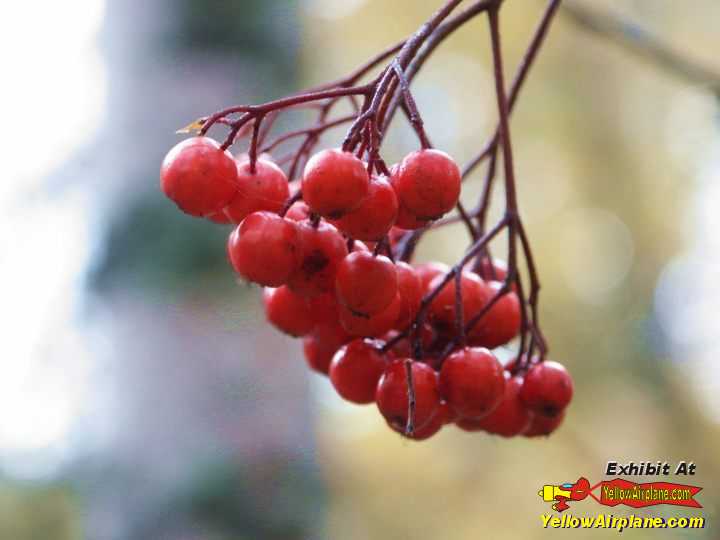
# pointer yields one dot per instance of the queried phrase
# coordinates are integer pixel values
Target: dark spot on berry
(314, 262)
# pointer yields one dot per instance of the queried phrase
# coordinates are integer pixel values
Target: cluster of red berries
(326, 281)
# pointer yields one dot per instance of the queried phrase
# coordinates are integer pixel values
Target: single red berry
(299, 211)
(321, 345)
(411, 292)
(442, 309)
(370, 326)
(427, 183)
(548, 388)
(511, 417)
(409, 221)
(321, 250)
(265, 189)
(472, 382)
(501, 323)
(264, 248)
(356, 369)
(198, 176)
(366, 284)
(428, 271)
(287, 311)
(334, 183)
(542, 425)
(392, 394)
(376, 214)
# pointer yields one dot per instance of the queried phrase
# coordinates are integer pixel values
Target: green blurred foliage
(38, 513)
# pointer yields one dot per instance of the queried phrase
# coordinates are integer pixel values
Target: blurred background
(142, 395)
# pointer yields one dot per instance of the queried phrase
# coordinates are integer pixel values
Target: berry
(410, 291)
(198, 176)
(442, 309)
(501, 323)
(334, 183)
(370, 326)
(287, 311)
(355, 371)
(511, 417)
(472, 382)
(366, 284)
(392, 394)
(446, 413)
(428, 271)
(323, 309)
(427, 183)
(428, 430)
(264, 248)
(376, 214)
(407, 220)
(544, 425)
(266, 189)
(548, 388)
(321, 345)
(321, 250)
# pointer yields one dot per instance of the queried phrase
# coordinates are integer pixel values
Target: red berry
(427, 183)
(407, 220)
(266, 189)
(264, 248)
(410, 291)
(323, 309)
(366, 284)
(442, 309)
(472, 382)
(321, 250)
(548, 388)
(355, 371)
(370, 326)
(392, 394)
(544, 425)
(376, 214)
(511, 417)
(334, 183)
(287, 311)
(447, 413)
(501, 323)
(428, 271)
(321, 345)
(198, 176)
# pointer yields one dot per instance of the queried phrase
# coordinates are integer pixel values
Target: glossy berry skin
(323, 309)
(356, 369)
(428, 271)
(264, 249)
(410, 291)
(511, 417)
(472, 382)
(287, 311)
(541, 425)
(366, 284)
(198, 176)
(548, 388)
(409, 221)
(321, 345)
(392, 394)
(501, 323)
(427, 183)
(376, 214)
(442, 309)
(370, 326)
(321, 250)
(334, 183)
(266, 189)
